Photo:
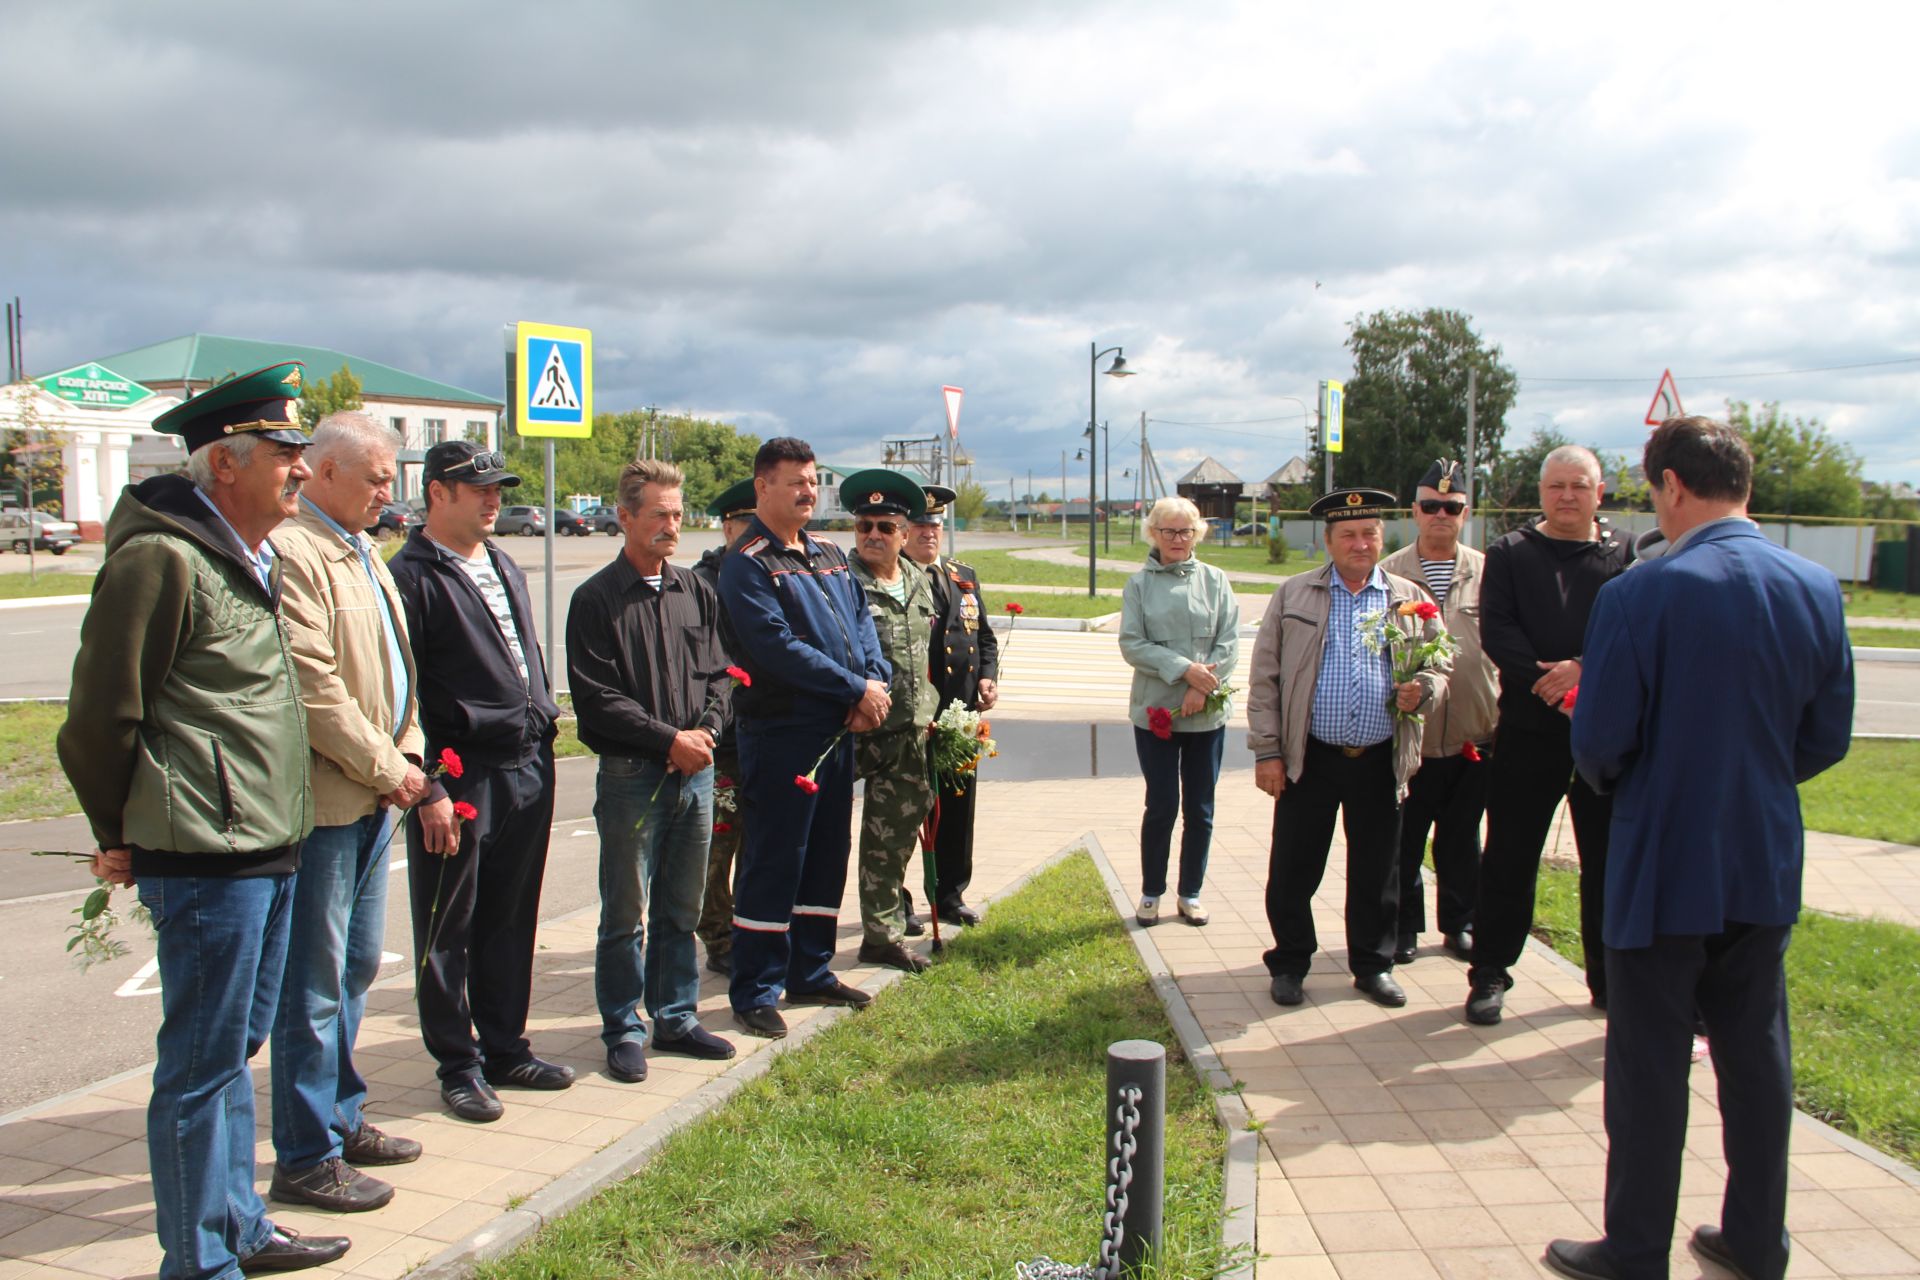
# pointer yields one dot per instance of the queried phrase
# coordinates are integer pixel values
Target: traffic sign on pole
(952, 396)
(553, 381)
(1333, 400)
(1666, 401)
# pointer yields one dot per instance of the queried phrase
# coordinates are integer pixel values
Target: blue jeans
(333, 956)
(1180, 772)
(223, 945)
(654, 831)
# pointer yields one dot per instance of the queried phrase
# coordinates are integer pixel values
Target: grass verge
(951, 1129)
(1853, 992)
(1870, 602)
(19, 586)
(1006, 568)
(31, 782)
(1874, 793)
(1048, 605)
(1884, 637)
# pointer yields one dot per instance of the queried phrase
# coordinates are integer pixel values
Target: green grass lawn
(1884, 637)
(1853, 989)
(1867, 602)
(951, 1129)
(1874, 793)
(19, 586)
(31, 783)
(1045, 604)
(1248, 559)
(1005, 567)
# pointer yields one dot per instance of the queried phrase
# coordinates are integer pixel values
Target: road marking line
(134, 986)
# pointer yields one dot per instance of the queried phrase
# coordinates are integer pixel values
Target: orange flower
(1408, 609)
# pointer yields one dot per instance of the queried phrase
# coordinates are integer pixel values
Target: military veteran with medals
(892, 758)
(1331, 735)
(186, 743)
(966, 667)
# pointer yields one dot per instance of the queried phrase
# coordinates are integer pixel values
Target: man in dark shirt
(650, 687)
(1540, 585)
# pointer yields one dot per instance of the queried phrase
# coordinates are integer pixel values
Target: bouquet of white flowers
(961, 740)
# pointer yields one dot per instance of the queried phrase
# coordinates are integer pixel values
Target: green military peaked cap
(736, 501)
(879, 492)
(261, 402)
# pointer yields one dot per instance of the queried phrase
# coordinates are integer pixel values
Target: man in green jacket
(186, 744)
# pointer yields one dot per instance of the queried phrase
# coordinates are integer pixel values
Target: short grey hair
(351, 434)
(636, 476)
(1575, 453)
(200, 462)
(1175, 506)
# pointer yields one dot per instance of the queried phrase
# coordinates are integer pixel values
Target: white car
(48, 534)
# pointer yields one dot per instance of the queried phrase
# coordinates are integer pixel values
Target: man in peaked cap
(1326, 741)
(187, 747)
(892, 756)
(966, 667)
(733, 508)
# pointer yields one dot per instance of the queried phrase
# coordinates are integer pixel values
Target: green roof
(203, 357)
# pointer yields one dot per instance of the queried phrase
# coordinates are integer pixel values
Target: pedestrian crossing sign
(553, 381)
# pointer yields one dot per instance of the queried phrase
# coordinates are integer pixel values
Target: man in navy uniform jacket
(1716, 678)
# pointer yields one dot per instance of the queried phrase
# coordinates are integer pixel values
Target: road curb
(35, 601)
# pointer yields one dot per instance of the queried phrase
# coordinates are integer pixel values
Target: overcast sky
(805, 218)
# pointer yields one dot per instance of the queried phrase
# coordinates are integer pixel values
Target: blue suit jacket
(1715, 679)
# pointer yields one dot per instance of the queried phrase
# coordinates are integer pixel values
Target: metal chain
(1106, 1264)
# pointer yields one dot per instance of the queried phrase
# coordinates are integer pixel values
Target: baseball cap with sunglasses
(466, 462)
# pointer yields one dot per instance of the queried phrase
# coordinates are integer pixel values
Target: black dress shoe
(288, 1250)
(1381, 989)
(1484, 1003)
(835, 992)
(471, 1098)
(697, 1043)
(368, 1146)
(530, 1073)
(1286, 989)
(915, 927)
(627, 1062)
(958, 913)
(1711, 1243)
(1406, 949)
(1460, 943)
(1578, 1260)
(893, 955)
(761, 1020)
(333, 1184)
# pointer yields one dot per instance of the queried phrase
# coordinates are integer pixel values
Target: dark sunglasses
(870, 526)
(1434, 507)
(480, 464)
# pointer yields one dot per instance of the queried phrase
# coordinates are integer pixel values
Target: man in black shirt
(650, 686)
(1540, 585)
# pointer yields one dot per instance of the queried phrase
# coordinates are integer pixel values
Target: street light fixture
(1118, 369)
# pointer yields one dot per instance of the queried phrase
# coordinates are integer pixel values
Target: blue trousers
(793, 863)
(654, 827)
(222, 948)
(333, 956)
(1181, 772)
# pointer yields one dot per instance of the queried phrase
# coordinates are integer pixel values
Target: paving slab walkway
(1393, 1143)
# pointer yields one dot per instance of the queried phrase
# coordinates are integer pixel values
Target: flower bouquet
(961, 740)
(1409, 653)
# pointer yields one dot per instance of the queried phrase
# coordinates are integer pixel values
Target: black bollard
(1136, 1118)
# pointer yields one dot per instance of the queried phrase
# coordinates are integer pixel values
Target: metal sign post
(552, 396)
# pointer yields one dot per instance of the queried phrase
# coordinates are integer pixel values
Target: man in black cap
(186, 744)
(484, 693)
(733, 508)
(1326, 740)
(966, 666)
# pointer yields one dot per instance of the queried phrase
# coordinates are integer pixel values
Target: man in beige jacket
(1449, 794)
(1328, 729)
(347, 630)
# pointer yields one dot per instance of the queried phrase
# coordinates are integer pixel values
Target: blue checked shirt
(1350, 697)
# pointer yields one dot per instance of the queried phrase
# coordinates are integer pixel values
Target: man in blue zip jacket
(800, 627)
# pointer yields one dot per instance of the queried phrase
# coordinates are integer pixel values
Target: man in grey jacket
(1326, 740)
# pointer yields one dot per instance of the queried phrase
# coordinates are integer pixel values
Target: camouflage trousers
(899, 796)
(729, 829)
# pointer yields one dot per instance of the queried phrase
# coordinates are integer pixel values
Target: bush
(1277, 549)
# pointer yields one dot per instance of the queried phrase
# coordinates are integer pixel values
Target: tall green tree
(1406, 399)
(337, 394)
(971, 501)
(1797, 465)
(711, 454)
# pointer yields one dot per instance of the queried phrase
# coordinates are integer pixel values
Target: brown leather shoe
(368, 1146)
(894, 955)
(332, 1184)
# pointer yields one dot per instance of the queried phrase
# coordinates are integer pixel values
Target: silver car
(48, 533)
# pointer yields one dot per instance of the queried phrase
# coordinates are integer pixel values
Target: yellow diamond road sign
(553, 381)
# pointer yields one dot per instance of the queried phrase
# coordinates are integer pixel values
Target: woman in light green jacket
(1180, 631)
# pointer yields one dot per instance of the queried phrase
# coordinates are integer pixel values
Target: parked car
(528, 522)
(395, 519)
(48, 533)
(603, 519)
(569, 523)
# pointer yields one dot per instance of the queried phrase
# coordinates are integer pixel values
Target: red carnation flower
(723, 783)
(1573, 696)
(450, 761)
(464, 811)
(1470, 751)
(805, 783)
(740, 675)
(1160, 722)
(1015, 607)
(1427, 610)
(721, 828)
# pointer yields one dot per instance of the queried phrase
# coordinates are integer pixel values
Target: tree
(337, 394)
(1797, 466)
(971, 504)
(1406, 400)
(711, 454)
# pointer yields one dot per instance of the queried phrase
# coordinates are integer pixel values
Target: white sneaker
(1192, 910)
(1148, 912)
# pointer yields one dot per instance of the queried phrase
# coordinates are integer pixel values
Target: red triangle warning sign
(1666, 401)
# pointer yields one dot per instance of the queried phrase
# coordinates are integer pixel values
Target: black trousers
(1361, 790)
(953, 848)
(474, 916)
(1529, 773)
(1447, 796)
(1737, 980)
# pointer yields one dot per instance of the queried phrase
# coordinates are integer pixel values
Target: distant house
(1212, 488)
(1297, 472)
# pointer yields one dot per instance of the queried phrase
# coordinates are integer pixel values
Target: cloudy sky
(805, 218)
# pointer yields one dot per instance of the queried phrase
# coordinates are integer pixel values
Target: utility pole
(1063, 495)
(1106, 484)
(1029, 499)
(1473, 383)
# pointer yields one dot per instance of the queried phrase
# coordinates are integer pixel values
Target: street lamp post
(1118, 369)
(1786, 528)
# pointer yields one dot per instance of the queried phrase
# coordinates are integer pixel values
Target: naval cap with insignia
(1445, 476)
(260, 403)
(736, 501)
(879, 492)
(939, 498)
(1352, 504)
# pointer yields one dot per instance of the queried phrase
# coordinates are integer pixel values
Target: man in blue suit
(1716, 678)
